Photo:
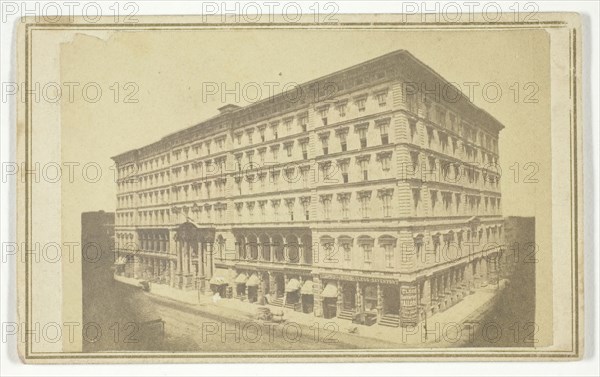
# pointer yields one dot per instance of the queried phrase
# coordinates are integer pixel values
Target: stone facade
(381, 196)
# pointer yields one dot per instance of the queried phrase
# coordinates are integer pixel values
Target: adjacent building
(370, 190)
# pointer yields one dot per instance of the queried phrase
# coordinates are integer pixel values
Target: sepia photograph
(362, 204)
(204, 189)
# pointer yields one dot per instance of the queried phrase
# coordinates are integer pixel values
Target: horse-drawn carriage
(265, 314)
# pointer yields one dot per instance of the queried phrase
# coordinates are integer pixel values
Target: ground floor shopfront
(385, 301)
(279, 273)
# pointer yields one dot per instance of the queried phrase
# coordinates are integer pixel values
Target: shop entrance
(252, 294)
(279, 286)
(308, 303)
(391, 299)
(349, 296)
(329, 307)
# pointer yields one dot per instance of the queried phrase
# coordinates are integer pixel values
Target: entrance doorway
(391, 299)
(329, 307)
(349, 296)
(241, 291)
(307, 303)
(279, 286)
(252, 294)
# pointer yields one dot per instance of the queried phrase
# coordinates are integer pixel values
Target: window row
(448, 203)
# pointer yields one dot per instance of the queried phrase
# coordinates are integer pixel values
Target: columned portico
(194, 248)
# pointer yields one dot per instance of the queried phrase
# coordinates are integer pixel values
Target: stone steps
(346, 314)
(390, 320)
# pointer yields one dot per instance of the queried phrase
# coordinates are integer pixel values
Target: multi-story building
(369, 190)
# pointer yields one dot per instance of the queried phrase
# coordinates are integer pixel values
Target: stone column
(380, 299)
(272, 285)
(201, 268)
(484, 270)
(425, 298)
(358, 299)
(209, 260)
(179, 252)
(340, 297)
(187, 260)
(442, 291)
(259, 248)
(259, 289)
(172, 273)
(137, 267)
(318, 299)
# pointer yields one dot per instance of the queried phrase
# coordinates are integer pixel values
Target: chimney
(228, 108)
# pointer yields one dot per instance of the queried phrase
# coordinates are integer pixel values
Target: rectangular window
(347, 251)
(325, 145)
(362, 133)
(364, 166)
(262, 209)
(303, 123)
(387, 203)
(344, 203)
(364, 207)
(389, 256)
(383, 128)
(343, 142)
(382, 99)
(326, 207)
(360, 104)
(429, 136)
(433, 194)
(304, 174)
(367, 250)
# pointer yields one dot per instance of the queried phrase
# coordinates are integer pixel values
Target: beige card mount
(372, 189)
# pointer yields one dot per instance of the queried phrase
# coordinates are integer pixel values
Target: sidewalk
(445, 328)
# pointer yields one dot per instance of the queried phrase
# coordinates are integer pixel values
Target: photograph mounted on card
(378, 188)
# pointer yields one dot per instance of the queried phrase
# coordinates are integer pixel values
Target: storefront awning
(253, 281)
(218, 280)
(307, 288)
(292, 285)
(330, 291)
(241, 278)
